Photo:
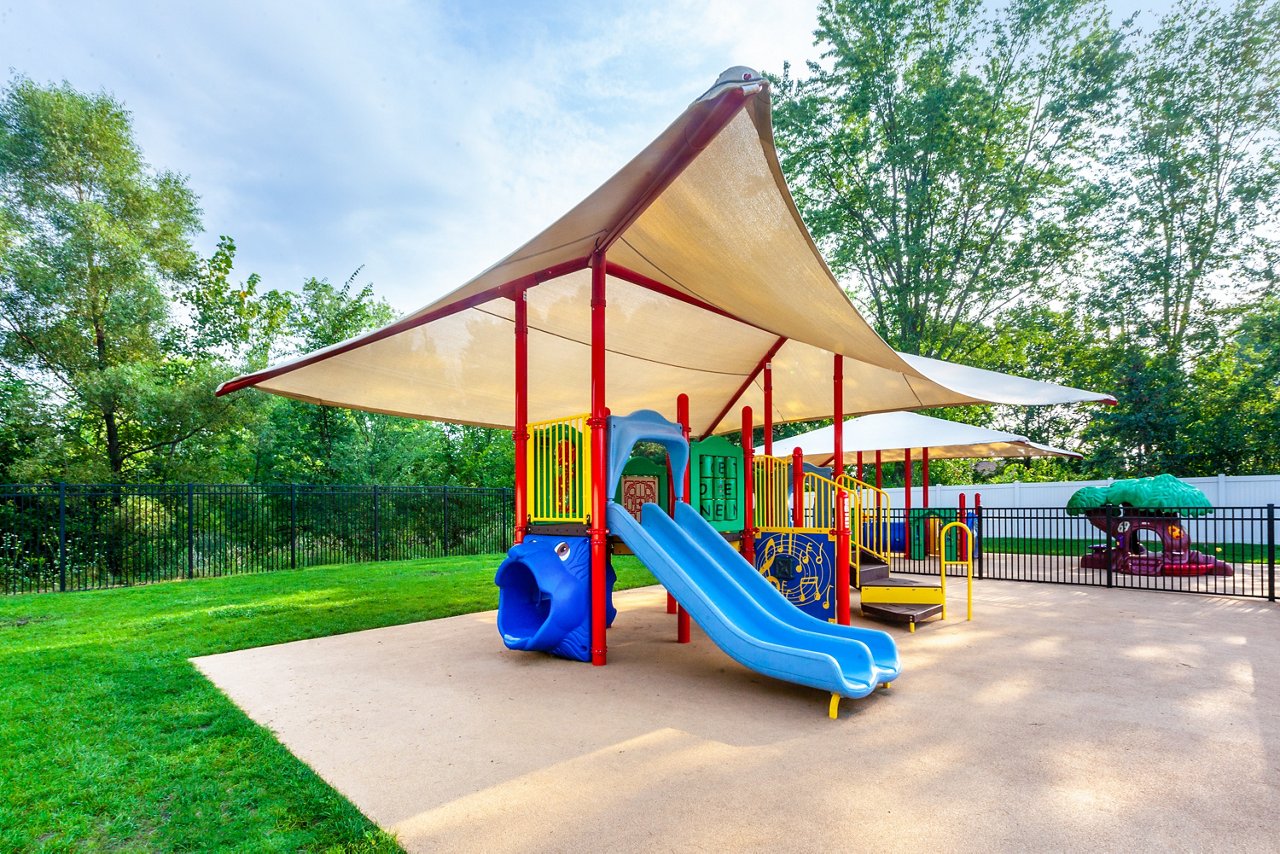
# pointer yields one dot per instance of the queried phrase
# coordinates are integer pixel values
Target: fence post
(1271, 552)
(62, 536)
(377, 530)
(293, 526)
(191, 531)
(1108, 515)
(504, 539)
(446, 521)
(977, 530)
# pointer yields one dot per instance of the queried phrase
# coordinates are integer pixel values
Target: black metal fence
(1046, 544)
(88, 536)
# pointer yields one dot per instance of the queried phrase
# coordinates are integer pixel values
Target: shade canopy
(892, 432)
(710, 274)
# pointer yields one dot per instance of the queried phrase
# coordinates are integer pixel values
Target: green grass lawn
(110, 738)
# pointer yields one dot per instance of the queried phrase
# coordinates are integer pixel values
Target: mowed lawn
(110, 738)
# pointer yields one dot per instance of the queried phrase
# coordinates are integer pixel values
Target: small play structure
(689, 269)
(889, 437)
(1154, 506)
(773, 593)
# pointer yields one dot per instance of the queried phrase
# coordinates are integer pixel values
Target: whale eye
(562, 551)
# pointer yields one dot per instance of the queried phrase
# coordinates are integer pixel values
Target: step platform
(871, 573)
(871, 569)
(909, 614)
(902, 600)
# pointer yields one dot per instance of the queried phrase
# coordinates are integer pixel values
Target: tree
(24, 431)
(95, 244)
(1196, 174)
(1196, 182)
(937, 154)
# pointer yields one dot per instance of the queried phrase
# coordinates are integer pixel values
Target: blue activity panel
(802, 566)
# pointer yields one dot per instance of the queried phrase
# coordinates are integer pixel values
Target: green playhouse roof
(1162, 492)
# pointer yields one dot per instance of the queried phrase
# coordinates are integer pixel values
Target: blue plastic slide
(884, 651)
(744, 615)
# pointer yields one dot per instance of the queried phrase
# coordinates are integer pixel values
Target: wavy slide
(745, 615)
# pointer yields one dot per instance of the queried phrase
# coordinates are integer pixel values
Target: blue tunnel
(544, 596)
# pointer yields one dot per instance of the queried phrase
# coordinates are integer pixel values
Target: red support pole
(748, 489)
(682, 415)
(962, 519)
(859, 465)
(768, 409)
(521, 432)
(924, 490)
(842, 497)
(797, 488)
(924, 476)
(837, 406)
(906, 503)
(599, 458)
(977, 513)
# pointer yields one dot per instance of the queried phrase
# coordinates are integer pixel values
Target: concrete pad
(1060, 718)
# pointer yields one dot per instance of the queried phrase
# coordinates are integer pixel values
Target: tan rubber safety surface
(1062, 718)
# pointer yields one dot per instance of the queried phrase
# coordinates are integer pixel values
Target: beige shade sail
(892, 432)
(710, 270)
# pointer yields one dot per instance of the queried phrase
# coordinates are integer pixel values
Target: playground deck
(1061, 718)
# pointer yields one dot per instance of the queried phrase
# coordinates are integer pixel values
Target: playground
(761, 551)
(1065, 718)
(633, 349)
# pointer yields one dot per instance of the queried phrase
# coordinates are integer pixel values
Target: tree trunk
(115, 454)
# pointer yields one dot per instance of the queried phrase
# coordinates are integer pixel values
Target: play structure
(773, 593)
(688, 269)
(543, 601)
(1153, 506)
(890, 437)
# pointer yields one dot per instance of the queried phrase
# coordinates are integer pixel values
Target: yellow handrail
(819, 496)
(559, 479)
(965, 548)
(870, 518)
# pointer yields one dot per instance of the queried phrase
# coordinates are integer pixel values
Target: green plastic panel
(715, 471)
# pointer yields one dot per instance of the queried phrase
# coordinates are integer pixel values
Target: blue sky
(422, 140)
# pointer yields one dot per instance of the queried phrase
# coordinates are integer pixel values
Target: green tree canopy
(95, 245)
(936, 154)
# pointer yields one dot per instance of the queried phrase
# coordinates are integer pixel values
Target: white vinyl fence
(1225, 525)
(1222, 491)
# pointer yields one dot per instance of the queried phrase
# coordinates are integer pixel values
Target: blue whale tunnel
(544, 596)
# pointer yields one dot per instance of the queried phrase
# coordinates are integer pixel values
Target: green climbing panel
(715, 471)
